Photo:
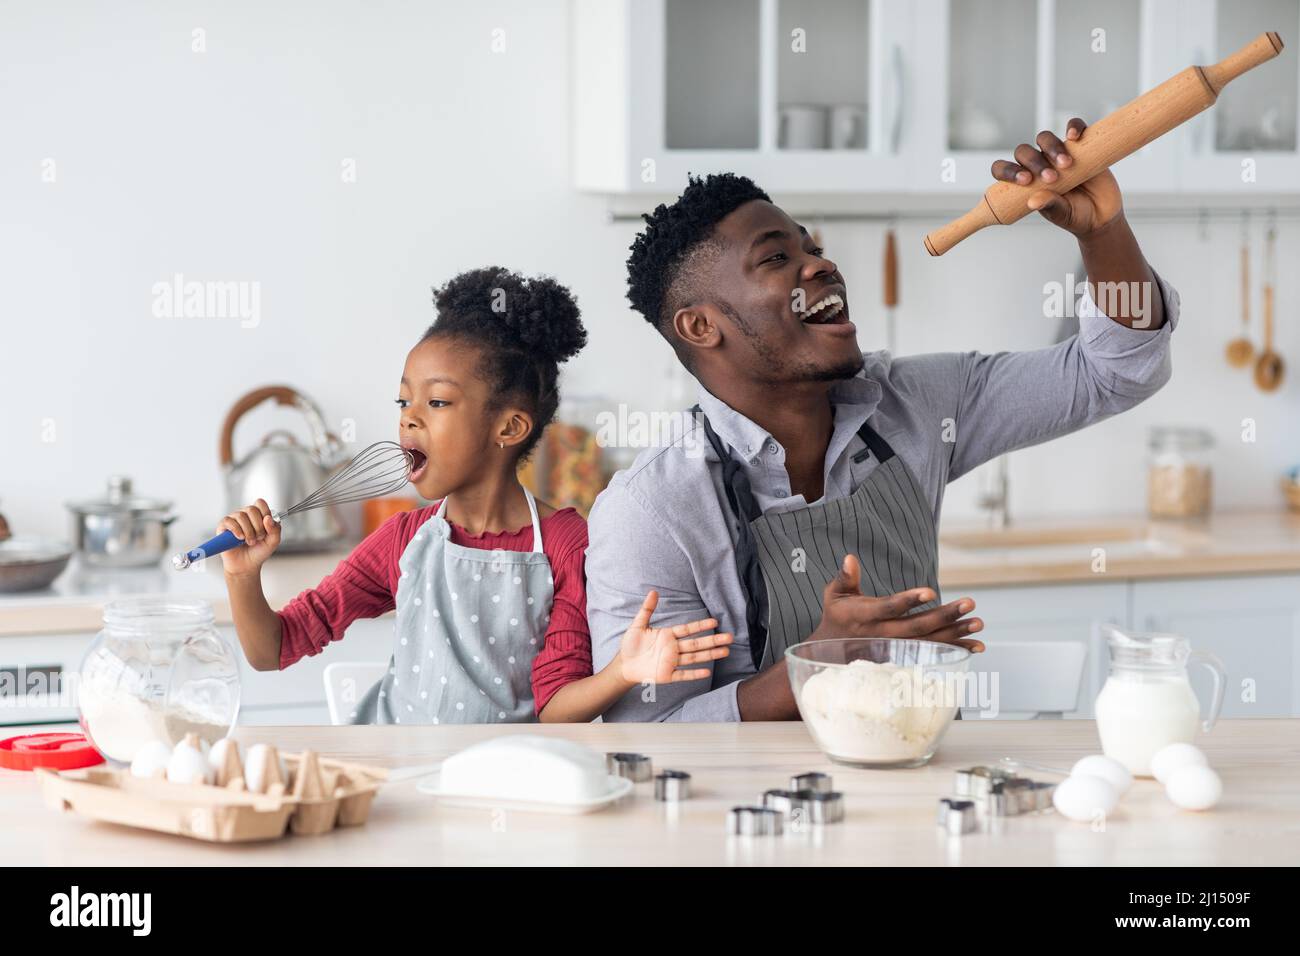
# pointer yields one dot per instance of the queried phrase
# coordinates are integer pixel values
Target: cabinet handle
(900, 98)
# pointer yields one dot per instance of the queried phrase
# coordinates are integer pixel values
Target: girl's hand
(261, 536)
(654, 654)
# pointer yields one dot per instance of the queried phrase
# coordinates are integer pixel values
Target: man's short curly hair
(659, 270)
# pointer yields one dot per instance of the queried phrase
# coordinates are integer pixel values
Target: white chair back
(346, 683)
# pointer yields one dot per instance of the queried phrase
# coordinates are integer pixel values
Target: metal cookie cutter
(957, 817)
(978, 781)
(826, 807)
(753, 821)
(1009, 798)
(636, 767)
(672, 785)
(788, 802)
(815, 782)
(1032, 796)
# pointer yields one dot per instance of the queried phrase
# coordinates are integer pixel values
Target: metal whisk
(377, 470)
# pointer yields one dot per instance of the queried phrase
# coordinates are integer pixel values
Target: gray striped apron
(786, 558)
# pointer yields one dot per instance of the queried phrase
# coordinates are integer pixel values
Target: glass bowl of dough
(158, 669)
(878, 702)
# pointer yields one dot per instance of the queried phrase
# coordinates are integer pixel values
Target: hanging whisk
(377, 470)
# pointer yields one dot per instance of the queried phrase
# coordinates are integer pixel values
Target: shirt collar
(853, 400)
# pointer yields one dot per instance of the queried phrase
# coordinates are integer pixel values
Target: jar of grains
(1178, 472)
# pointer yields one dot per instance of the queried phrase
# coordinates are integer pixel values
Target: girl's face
(445, 418)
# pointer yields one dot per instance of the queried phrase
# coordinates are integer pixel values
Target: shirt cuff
(715, 706)
(1095, 325)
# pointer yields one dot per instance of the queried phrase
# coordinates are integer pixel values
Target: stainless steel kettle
(284, 471)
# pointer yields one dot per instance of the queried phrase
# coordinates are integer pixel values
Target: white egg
(1084, 798)
(151, 758)
(253, 765)
(188, 765)
(1194, 787)
(1108, 768)
(1172, 756)
(217, 754)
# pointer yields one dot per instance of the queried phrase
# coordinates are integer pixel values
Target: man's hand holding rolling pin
(1093, 212)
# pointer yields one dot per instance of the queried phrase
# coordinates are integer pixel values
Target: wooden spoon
(1269, 368)
(1241, 351)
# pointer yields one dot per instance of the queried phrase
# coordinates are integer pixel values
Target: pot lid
(120, 500)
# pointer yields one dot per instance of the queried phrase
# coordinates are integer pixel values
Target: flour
(876, 713)
(119, 722)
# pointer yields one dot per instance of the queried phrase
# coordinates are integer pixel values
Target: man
(801, 501)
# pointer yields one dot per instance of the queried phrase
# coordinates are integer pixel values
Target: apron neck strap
(532, 514)
(537, 522)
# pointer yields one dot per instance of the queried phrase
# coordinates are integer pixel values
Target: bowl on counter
(29, 564)
(878, 702)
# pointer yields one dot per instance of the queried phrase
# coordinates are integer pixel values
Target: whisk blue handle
(222, 542)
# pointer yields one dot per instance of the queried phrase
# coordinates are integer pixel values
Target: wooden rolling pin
(1109, 140)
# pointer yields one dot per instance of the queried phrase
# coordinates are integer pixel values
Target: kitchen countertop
(1063, 551)
(1032, 551)
(76, 600)
(890, 814)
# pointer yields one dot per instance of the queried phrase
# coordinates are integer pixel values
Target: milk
(1136, 716)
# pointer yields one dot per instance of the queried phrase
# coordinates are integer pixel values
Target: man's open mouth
(827, 311)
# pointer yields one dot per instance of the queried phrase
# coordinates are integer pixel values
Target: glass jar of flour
(158, 670)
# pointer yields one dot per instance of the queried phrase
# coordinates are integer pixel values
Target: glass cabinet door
(980, 92)
(992, 61)
(1105, 53)
(1247, 141)
(711, 74)
(823, 74)
(805, 96)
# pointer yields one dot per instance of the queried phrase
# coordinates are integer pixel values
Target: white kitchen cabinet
(1007, 69)
(1054, 613)
(1247, 142)
(1252, 624)
(663, 88)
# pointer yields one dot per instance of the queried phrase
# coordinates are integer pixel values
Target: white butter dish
(526, 772)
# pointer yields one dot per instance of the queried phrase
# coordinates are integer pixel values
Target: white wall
(225, 165)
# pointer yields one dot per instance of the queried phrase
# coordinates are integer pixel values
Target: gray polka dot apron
(786, 558)
(469, 623)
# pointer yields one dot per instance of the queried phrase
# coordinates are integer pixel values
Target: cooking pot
(121, 530)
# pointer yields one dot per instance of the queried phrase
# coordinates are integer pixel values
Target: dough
(876, 713)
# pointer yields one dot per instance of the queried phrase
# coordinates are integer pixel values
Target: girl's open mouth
(419, 460)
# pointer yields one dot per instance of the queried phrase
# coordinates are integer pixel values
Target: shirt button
(771, 448)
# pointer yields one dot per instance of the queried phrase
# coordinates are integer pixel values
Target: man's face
(784, 311)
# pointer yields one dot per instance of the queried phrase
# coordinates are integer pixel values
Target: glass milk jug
(1147, 701)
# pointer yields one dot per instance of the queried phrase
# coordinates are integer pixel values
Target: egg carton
(315, 796)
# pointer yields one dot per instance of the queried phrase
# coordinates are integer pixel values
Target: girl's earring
(501, 444)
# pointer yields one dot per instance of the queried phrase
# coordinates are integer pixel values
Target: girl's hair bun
(537, 315)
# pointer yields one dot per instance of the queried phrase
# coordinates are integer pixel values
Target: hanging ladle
(1241, 351)
(1269, 368)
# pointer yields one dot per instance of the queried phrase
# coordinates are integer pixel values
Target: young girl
(488, 583)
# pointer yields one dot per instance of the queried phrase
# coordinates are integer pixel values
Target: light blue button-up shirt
(664, 523)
